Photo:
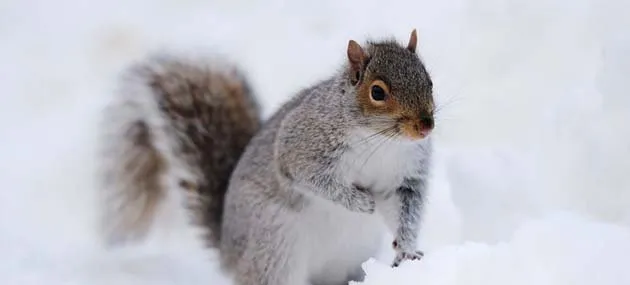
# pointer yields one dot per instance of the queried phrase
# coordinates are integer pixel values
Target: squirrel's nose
(426, 123)
(425, 126)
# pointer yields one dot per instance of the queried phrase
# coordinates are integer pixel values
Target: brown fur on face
(408, 121)
(398, 70)
(389, 106)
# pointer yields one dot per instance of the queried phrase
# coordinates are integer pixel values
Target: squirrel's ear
(356, 57)
(413, 41)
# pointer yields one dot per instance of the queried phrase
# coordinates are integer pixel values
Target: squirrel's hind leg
(358, 275)
(283, 265)
(274, 251)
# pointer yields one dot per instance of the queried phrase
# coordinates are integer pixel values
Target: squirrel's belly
(339, 241)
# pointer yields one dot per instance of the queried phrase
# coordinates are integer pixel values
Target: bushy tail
(174, 129)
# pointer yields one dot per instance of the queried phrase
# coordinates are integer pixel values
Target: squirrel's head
(392, 87)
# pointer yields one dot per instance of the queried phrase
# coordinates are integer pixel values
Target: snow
(530, 185)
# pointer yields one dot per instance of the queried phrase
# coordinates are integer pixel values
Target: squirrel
(304, 197)
(175, 125)
(332, 170)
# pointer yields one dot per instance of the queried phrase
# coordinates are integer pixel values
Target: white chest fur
(336, 240)
(379, 163)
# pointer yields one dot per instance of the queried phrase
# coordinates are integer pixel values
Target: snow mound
(559, 249)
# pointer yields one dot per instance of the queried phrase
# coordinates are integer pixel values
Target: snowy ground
(531, 185)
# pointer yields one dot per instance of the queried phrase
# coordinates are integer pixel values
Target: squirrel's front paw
(362, 201)
(402, 256)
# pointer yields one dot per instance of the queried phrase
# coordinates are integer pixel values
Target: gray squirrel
(318, 184)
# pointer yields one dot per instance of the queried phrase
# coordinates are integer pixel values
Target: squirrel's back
(176, 127)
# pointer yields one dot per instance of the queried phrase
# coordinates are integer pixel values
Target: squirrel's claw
(402, 256)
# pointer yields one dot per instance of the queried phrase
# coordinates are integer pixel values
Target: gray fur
(302, 202)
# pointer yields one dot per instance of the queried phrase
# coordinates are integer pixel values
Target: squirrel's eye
(378, 94)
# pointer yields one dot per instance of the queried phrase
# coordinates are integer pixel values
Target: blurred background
(531, 182)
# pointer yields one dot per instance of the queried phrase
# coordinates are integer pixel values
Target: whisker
(368, 148)
(442, 105)
(387, 138)
(372, 136)
(438, 112)
(451, 99)
(366, 140)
